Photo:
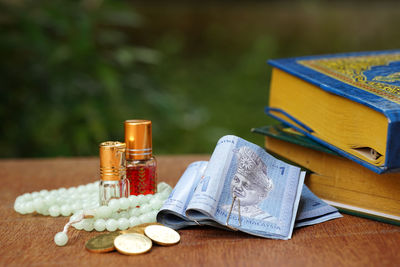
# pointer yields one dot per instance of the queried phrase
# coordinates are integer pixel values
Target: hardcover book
(335, 179)
(348, 102)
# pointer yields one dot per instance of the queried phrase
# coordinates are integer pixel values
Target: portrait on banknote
(249, 186)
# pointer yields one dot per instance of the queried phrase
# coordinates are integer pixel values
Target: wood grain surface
(27, 240)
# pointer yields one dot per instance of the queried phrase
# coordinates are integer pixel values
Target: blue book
(347, 102)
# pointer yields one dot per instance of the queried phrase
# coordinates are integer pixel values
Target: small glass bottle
(113, 182)
(141, 166)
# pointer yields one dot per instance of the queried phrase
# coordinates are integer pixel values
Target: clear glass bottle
(141, 165)
(113, 183)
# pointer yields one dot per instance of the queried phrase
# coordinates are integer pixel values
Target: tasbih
(83, 203)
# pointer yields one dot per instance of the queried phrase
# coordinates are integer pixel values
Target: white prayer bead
(28, 207)
(18, 207)
(141, 199)
(153, 215)
(115, 216)
(49, 200)
(27, 196)
(157, 195)
(103, 212)
(79, 225)
(133, 221)
(161, 186)
(145, 208)
(38, 203)
(54, 211)
(114, 204)
(43, 192)
(145, 218)
(100, 225)
(76, 206)
(65, 210)
(135, 212)
(124, 214)
(44, 211)
(61, 239)
(124, 203)
(19, 199)
(88, 225)
(164, 195)
(111, 225)
(123, 223)
(156, 204)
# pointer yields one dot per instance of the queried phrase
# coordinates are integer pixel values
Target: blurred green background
(72, 71)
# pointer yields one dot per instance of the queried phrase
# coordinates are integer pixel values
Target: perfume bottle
(113, 182)
(141, 165)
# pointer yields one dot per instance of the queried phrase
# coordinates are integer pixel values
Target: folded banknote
(244, 188)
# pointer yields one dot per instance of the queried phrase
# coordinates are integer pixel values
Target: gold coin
(102, 243)
(139, 229)
(132, 244)
(162, 235)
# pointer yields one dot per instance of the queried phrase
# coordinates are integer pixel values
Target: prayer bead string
(83, 203)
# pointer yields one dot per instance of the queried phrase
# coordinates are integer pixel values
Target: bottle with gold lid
(141, 165)
(113, 182)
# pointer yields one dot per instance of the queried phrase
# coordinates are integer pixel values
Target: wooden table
(28, 239)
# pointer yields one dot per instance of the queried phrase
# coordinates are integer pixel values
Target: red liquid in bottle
(142, 179)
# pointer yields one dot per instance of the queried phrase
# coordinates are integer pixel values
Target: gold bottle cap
(112, 160)
(138, 139)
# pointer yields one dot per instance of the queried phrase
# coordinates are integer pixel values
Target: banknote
(243, 188)
(313, 210)
(237, 169)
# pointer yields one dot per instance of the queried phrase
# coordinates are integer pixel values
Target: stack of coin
(135, 240)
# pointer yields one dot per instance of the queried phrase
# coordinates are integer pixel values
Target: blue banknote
(242, 188)
(313, 210)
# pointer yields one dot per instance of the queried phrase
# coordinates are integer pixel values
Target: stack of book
(341, 121)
